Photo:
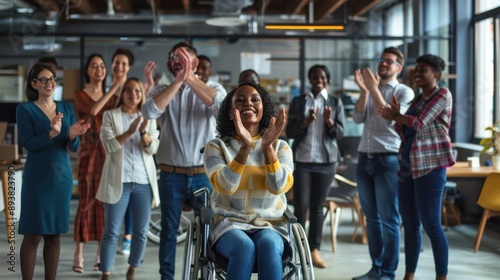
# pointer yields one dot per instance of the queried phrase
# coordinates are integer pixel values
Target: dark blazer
(296, 117)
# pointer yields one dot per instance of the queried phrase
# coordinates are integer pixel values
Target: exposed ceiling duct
(230, 7)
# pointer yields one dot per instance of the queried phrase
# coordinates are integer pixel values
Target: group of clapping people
(245, 164)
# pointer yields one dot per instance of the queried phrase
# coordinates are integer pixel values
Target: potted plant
(493, 143)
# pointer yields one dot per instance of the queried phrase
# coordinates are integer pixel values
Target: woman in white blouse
(129, 175)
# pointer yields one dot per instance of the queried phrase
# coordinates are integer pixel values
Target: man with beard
(378, 161)
(188, 108)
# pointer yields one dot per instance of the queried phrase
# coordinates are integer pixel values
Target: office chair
(489, 200)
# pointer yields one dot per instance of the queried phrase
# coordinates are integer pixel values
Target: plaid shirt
(431, 145)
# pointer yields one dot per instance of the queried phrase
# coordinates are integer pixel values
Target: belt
(374, 155)
(195, 170)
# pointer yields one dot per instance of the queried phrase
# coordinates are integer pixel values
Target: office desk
(462, 170)
(469, 182)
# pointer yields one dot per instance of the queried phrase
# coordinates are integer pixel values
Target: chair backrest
(343, 188)
(490, 194)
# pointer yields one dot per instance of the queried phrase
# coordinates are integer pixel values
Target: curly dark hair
(434, 61)
(225, 126)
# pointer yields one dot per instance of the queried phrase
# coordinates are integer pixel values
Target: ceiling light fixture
(305, 26)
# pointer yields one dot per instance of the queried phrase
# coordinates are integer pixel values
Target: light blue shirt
(379, 135)
(134, 169)
(187, 124)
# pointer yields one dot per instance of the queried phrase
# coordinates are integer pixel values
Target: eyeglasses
(388, 61)
(173, 57)
(44, 80)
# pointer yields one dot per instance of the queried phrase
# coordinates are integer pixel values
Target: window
(484, 76)
(486, 5)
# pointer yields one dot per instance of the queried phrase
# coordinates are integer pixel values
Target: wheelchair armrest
(289, 216)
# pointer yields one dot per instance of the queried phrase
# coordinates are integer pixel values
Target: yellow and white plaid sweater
(252, 196)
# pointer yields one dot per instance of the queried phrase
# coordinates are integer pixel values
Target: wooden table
(15, 186)
(461, 169)
(469, 183)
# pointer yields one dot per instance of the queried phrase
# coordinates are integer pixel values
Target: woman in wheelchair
(250, 170)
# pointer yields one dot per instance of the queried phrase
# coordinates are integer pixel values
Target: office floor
(351, 259)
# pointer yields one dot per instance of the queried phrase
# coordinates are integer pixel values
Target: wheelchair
(200, 262)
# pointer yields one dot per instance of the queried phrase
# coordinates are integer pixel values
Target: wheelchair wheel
(155, 226)
(188, 252)
(303, 251)
(192, 251)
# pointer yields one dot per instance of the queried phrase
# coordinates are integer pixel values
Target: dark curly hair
(225, 126)
(434, 61)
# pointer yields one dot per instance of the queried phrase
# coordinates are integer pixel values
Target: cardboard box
(71, 83)
(8, 152)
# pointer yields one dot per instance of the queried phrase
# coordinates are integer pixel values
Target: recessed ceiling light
(225, 21)
(5, 5)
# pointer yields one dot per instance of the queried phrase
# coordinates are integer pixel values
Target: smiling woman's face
(247, 101)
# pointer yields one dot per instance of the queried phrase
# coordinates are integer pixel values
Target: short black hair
(225, 126)
(186, 45)
(125, 52)
(204, 57)
(400, 58)
(322, 67)
(434, 61)
(30, 93)
(243, 76)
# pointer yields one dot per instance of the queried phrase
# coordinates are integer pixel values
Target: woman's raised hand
(275, 128)
(78, 129)
(134, 125)
(241, 131)
(149, 81)
(56, 123)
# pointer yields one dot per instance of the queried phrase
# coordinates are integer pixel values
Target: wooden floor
(351, 259)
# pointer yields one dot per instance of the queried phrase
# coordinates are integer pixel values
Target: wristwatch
(142, 133)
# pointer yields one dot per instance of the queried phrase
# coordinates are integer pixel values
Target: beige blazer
(111, 184)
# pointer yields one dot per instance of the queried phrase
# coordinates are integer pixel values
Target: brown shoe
(130, 274)
(317, 260)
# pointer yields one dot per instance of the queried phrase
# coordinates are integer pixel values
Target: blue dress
(47, 177)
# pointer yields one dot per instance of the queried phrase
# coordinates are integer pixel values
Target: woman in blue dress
(47, 129)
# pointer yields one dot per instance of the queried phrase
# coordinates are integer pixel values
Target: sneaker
(373, 274)
(125, 247)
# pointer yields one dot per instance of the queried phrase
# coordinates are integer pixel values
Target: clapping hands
(275, 128)
(78, 129)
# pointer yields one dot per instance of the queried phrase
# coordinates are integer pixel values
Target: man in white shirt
(187, 108)
(377, 168)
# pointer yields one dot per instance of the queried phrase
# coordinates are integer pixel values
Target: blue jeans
(421, 200)
(176, 190)
(138, 197)
(242, 249)
(378, 192)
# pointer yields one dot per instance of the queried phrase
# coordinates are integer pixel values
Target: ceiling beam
(186, 4)
(123, 6)
(48, 5)
(325, 8)
(85, 7)
(297, 6)
(360, 7)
